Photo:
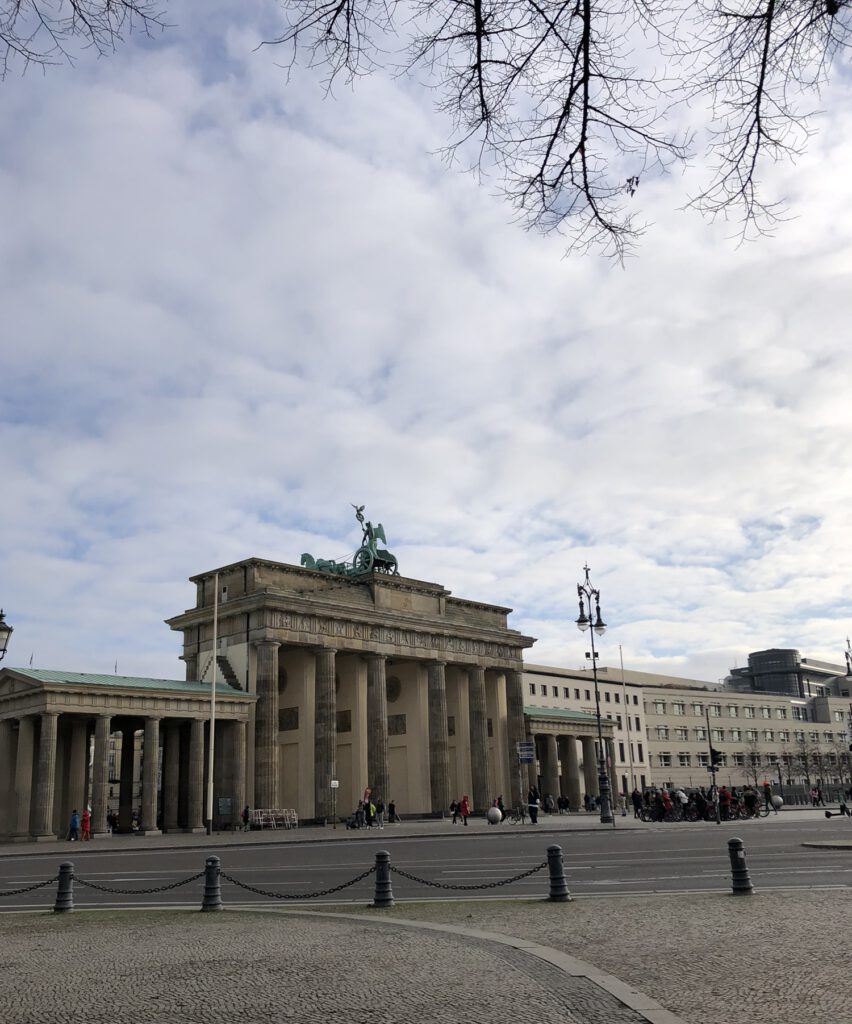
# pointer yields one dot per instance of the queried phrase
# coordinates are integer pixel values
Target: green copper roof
(126, 682)
(573, 716)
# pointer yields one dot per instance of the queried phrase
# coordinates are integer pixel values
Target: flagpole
(213, 706)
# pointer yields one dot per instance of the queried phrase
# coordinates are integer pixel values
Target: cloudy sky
(231, 306)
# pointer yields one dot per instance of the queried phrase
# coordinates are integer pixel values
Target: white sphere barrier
(494, 815)
(777, 803)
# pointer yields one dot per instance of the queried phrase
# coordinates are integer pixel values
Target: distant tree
(754, 761)
(569, 105)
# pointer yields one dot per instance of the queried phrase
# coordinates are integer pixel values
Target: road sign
(526, 752)
(334, 784)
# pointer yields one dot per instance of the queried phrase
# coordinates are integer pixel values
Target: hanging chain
(29, 888)
(298, 895)
(484, 885)
(137, 892)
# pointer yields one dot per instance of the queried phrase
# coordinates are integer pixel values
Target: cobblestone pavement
(157, 967)
(777, 957)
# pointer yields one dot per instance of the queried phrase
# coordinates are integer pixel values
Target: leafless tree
(754, 761)
(566, 106)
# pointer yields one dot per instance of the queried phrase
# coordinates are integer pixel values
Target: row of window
(739, 760)
(679, 707)
(699, 733)
(607, 696)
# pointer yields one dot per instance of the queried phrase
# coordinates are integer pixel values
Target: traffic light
(715, 758)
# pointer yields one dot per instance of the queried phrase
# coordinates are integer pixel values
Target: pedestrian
(819, 800)
(532, 804)
(246, 818)
(86, 825)
(455, 810)
(74, 826)
(636, 797)
(465, 808)
(549, 804)
(392, 815)
(501, 807)
(814, 792)
(380, 813)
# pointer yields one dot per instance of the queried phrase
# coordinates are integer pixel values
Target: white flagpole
(627, 719)
(213, 706)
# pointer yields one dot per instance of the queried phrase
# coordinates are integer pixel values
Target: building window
(555, 691)
(701, 733)
(698, 709)
(396, 725)
(588, 695)
(715, 710)
(659, 707)
(683, 759)
(783, 736)
(736, 735)
(733, 711)
(681, 733)
(639, 748)
(344, 721)
(829, 737)
(607, 697)
(780, 712)
(768, 735)
(799, 735)
(576, 694)
(451, 725)
(618, 719)
(748, 712)
(718, 735)
(635, 698)
(764, 712)
(621, 752)
(665, 760)
(814, 737)
(773, 759)
(703, 760)
(751, 735)
(800, 714)
(288, 719)
(566, 692)
(617, 699)
(739, 760)
(838, 716)
(489, 726)
(532, 689)
(678, 708)
(662, 732)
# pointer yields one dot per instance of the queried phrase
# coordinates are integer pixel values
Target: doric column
(171, 775)
(45, 777)
(325, 731)
(150, 759)
(7, 775)
(195, 789)
(24, 777)
(377, 728)
(78, 766)
(238, 769)
(590, 766)
(550, 767)
(479, 756)
(532, 769)
(266, 726)
(516, 731)
(570, 771)
(100, 775)
(439, 750)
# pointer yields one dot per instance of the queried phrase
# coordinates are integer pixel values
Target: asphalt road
(672, 858)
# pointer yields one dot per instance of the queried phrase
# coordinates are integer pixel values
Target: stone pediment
(12, 685)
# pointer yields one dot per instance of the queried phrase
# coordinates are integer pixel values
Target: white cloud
(230, 308)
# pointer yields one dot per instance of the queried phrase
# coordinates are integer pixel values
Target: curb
(632, 998)
(830, 844)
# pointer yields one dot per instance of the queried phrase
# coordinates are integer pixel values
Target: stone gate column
(550, 767)
(195, 785)
(266, 726)
(7, 776)
(439, 748)
(24, 777)
(479, 755)
(78, 765)
(238, 769)
(125, 790)
(150, 763)
(590, 766)
(325, 730)
(171, 775)
(45, 778)
(377, 728)
(516, 731)
(570, 771)
(100, 775)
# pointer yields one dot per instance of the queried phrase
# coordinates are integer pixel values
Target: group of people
(80, 826)
(371, 814)
(461, 809)
(667, 804)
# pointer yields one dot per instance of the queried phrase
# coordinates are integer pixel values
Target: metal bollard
(65, 889)
(558, 885)
(383, 896)
(740, 880)
(212, 899)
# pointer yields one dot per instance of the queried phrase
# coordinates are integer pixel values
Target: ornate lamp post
(587, 593)
(5, 633)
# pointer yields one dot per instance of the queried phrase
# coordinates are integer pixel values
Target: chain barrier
(137, 892)
(29, 888)
(299, 895)
(483, 885)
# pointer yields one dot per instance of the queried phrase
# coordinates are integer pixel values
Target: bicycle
(517, 815)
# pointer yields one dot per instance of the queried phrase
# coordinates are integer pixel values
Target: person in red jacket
(464, 808)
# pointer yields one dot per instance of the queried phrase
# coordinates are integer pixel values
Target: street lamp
(5, 633)
(587, 593)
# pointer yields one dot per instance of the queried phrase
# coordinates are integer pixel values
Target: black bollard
(740, 880)
(558, 885)
(65, 889)
(383, 896)
(212, 899)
